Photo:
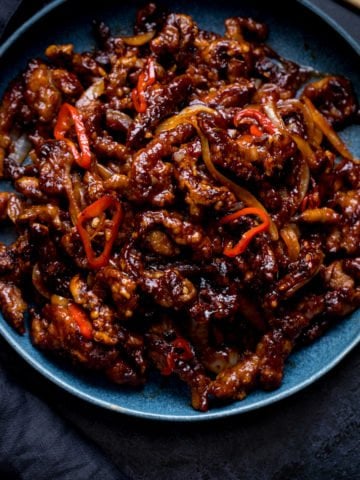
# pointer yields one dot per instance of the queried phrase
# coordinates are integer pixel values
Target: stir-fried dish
(182, 203)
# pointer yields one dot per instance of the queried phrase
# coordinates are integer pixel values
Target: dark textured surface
(35, 442)
(312, 435)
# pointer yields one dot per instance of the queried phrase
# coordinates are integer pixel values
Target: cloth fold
(35, 443)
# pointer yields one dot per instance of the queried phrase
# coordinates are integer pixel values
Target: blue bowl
(297, 34)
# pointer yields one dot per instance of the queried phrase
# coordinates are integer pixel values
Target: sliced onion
(38, 282)
(118, 121)
(92, 93)
(21, 148)
(304, 179)
(74, 208)
(327, 130)
(59, 301)
(104, 172)
(185, 115)
(307, 160)
(79, 190)
(139, 40)
(319, 215)
(274, 116)
(289, 234)
(305, 150)
(318, 136)
(314, 133)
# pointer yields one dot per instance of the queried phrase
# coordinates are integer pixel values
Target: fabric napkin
(35, 443)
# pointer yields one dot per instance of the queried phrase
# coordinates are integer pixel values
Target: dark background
(312, 435)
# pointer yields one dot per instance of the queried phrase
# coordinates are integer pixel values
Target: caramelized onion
(38, 282)
(327, 130)
(92, 93)
(139, 40)
(186, 115)
(59, 301)
(319, 215)
(305, 149)
(315, 135)
(104, 172)
(274, 116)
(304, 179)
(289, 234)
(74, 208)
(79, 191)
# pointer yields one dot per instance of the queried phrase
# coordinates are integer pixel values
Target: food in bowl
(182, 203)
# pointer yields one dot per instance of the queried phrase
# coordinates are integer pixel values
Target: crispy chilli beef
(182, 203)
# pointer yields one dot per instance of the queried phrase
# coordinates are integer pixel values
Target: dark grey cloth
(36, 444)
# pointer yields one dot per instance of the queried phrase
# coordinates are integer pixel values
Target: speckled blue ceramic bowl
(295, 33)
